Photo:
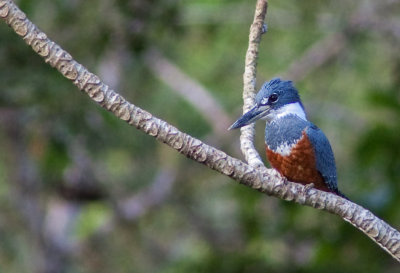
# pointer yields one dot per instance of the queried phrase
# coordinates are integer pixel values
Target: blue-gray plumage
(297, 148)
(288, 130)
(324, 156)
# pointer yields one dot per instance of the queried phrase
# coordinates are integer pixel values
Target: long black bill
(248, 118)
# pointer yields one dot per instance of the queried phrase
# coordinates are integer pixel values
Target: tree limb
(262, 179)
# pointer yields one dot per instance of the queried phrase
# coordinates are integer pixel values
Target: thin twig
(261, 179)
(249, 84)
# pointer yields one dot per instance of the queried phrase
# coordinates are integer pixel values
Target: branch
(262, 179)
(249, 84)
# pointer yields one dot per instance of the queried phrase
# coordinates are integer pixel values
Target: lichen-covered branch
(249, 83)
(261, 179)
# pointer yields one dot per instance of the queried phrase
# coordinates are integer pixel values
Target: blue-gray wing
(324, 156)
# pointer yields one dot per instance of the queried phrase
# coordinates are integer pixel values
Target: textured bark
(261, 179)
(249, 84)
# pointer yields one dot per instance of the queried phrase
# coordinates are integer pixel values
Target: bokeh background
(81, 191)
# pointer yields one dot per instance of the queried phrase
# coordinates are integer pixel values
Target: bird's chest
(292, 154)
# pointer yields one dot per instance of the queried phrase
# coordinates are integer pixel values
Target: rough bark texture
(249, 84)
(261, 179)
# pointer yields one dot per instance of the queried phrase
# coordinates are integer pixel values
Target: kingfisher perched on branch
(295, 147)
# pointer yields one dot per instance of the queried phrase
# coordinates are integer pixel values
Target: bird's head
(275, 99)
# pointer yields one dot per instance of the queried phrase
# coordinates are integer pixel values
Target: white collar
(291, 109)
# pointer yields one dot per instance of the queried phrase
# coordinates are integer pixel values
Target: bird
(294, 146)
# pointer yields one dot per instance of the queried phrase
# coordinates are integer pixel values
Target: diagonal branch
(249, 84)
(261, 179)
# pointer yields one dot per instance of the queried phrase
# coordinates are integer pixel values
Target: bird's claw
(308, 187)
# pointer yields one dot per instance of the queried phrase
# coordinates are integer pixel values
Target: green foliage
(90, 219)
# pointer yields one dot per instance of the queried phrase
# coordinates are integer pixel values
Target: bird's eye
(273, 98)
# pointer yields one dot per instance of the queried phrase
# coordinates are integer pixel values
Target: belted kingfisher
(295, 147)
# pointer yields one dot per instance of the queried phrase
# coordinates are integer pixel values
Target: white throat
(291, 109)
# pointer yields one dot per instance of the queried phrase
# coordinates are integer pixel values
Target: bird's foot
(278, 174)
(308, 187)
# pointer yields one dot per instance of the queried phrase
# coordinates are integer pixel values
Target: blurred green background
(81, 191)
